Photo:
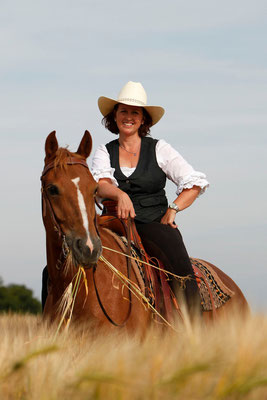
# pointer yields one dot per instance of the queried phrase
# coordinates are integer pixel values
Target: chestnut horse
(74, 240)
(69, 216)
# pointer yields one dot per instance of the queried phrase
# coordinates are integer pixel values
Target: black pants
(166, 244)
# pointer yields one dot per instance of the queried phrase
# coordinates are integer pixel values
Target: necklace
(131, 152)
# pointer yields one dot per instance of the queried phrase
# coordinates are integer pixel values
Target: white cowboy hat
(132, 94)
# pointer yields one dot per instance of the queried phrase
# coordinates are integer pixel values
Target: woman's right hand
(125, 206)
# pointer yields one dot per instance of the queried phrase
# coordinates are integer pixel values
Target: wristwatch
(174, 206)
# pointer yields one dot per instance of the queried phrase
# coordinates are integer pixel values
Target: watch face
(173, 206)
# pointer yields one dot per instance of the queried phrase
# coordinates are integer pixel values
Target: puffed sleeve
(101, 167)
(177, 168)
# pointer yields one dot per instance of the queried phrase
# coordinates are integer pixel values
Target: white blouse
(169, 160)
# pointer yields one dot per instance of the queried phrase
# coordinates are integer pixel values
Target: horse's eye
(53, 190)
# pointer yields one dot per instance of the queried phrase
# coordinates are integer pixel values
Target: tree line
(18, 298)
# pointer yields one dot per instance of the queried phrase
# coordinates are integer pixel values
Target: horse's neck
(53, 253)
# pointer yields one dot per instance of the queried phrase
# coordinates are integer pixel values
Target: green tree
(18, 298)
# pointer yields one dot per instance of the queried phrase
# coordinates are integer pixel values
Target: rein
(128, 228)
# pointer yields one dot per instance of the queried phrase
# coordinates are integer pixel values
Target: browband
(71, 161)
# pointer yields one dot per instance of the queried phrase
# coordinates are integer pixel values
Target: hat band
(132, 100)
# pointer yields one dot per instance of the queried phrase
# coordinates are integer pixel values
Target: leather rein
(46, 204)
(128, 235)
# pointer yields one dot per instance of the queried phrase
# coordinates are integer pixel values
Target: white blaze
(83, 212)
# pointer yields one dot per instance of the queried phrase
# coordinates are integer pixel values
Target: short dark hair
(109, 122)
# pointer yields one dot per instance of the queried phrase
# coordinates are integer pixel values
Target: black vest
(145, 186)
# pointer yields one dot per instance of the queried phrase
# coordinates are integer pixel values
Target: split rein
(46, 204)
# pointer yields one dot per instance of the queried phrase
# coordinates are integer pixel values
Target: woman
(132, 170)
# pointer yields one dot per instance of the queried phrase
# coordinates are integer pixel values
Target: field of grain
(222, 361)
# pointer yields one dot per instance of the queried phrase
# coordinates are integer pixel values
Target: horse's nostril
(79, 244)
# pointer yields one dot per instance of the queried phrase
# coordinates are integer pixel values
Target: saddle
(153, 282)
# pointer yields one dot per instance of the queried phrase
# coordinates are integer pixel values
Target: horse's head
(68, 199)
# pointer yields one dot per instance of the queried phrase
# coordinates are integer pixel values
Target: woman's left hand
(169, 218)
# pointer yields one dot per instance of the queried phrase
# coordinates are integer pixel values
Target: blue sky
(204, 62)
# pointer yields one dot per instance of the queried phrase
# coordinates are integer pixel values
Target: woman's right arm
(103, 173)
(109, 191)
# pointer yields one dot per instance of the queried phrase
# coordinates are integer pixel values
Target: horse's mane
(63, 155)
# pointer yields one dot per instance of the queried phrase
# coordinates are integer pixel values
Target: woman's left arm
(190, 183)
(184, 200)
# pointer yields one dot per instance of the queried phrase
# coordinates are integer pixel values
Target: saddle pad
(219, 291)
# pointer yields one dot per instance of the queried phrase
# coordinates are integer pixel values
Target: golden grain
(223, 361)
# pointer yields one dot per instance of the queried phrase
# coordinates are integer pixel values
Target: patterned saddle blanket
(213, 292)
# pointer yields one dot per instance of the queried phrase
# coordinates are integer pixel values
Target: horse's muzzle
(81, 252)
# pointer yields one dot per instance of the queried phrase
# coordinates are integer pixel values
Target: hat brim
(106, 105)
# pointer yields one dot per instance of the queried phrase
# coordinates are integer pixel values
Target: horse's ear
(85, 146)
(51, 145)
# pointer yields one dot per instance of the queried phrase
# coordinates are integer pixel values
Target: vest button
(127, 181)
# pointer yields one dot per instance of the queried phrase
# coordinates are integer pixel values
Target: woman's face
(129, 119)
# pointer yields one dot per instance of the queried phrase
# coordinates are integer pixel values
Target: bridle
(46, 205)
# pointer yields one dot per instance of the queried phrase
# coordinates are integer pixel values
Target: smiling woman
(132, 170)
(111, 124)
